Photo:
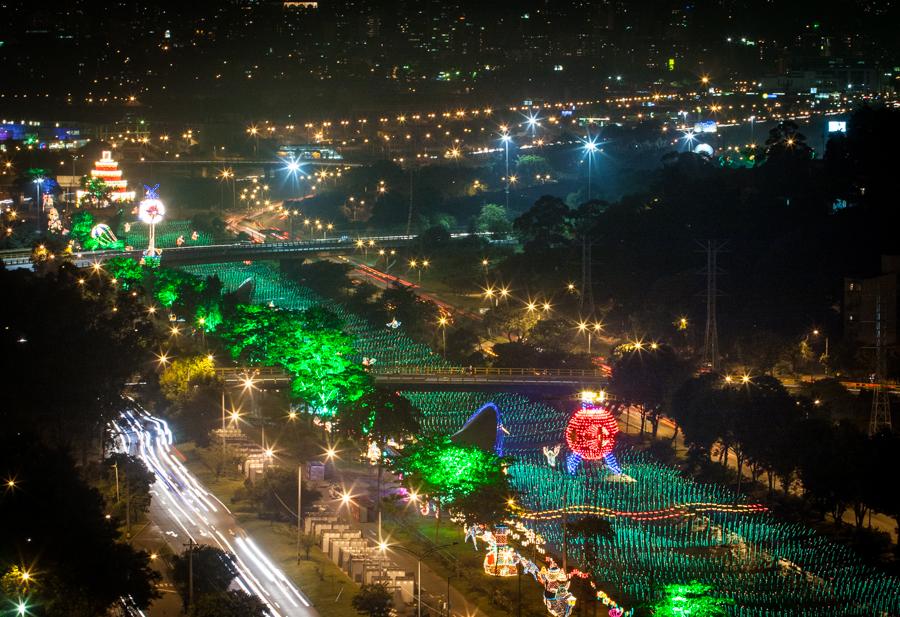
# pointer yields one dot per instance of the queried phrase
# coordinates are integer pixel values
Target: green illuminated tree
(493, 219)
(461, 478)
(127, 271)
(308, 344)
(530, 165)
(691, 600)
(82, 223)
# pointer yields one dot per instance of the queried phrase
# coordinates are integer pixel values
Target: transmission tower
(881, 407)
(587, 284)
(711, 337)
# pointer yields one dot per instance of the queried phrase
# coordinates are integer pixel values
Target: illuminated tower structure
(107, 170)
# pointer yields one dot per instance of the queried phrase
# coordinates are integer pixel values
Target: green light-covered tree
(308, 344)
(461, 478)
(691, 600)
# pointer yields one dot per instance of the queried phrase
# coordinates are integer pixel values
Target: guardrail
(239, 373)
(488, 371)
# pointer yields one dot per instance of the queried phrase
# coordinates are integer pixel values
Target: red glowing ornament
(591, 431)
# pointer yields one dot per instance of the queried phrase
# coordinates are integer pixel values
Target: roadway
(185, 510)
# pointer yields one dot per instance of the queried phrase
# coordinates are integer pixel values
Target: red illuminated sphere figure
(591, 434)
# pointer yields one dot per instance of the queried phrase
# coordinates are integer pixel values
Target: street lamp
(589, 329)
(38, 184)
(505, 138)
(825, 356)
(590, 146)
(442, 322)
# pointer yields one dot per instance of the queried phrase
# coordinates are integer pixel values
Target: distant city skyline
(350, 55)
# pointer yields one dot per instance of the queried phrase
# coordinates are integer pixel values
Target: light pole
(585, 327)
(38, 184)
(506, 139)
(299, 507)
(590, 146)
(442, 322)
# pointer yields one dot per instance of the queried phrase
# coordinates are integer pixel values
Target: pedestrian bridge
(219, 253)
(444, 378)
(235, 251)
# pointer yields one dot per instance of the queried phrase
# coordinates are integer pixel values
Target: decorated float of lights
(151, 211)
(107, 170)
(591, 433)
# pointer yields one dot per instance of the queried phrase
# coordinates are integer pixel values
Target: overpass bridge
(443, 378)
(235, 251)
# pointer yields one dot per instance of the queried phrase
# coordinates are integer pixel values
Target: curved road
(185, 510)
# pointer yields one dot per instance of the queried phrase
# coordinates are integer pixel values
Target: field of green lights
(667, 528)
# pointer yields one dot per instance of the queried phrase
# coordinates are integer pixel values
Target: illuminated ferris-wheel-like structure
(151, 211)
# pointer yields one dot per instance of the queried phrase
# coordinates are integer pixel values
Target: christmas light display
(667, 527)
(107, 170)
(151, 211)
(103, 235)
(557, 598)
(551, 453)
(591, 434)
(501, 559)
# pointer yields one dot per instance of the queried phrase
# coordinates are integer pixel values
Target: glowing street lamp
(590, 147)
(505, 138)
(588, 328)
(38, 185)
(489, 294)
(532, 121)
(442, 322)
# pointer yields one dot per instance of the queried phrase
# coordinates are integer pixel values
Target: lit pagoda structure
(107, 170)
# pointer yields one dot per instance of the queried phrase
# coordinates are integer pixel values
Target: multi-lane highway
(186, 511)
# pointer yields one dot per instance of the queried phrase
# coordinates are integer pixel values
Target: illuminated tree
(128, 272)
(307, 344)
(511, 321)
(97, 188)
(462, 478)
(691, 600)
(179, 378)
(493, 219)
(82, 223)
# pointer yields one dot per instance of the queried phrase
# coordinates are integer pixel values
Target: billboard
(837, 126)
